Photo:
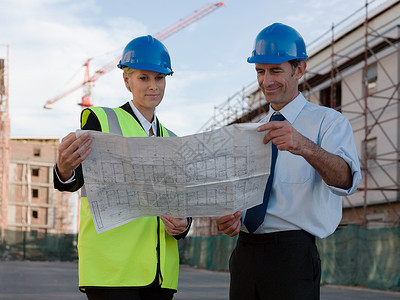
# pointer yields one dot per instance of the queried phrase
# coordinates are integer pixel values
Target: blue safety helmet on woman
(146, 53)
(277, 44)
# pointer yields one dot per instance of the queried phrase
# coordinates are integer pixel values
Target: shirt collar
(143, 121)
(290, 111)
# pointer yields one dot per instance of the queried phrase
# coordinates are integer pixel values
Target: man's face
(279, 82)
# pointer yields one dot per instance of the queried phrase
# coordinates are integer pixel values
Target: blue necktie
(255, 215)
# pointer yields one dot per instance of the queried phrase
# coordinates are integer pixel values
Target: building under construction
(33, 203)
(354, 68)
(4, 134)
(28, 200)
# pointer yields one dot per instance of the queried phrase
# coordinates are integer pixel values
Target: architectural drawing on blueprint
(208, 174)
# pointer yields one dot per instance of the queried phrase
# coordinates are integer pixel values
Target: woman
(138, 260)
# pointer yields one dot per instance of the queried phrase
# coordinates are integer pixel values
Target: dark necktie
(255, 215)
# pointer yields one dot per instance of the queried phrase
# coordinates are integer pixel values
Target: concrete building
(354, 68)
(33, 203)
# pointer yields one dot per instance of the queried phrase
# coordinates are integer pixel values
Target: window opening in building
(372, 77)
(369, 152)
(35, 172)
(35, 193)
(36, 152)
(35, 214)
(325, 96)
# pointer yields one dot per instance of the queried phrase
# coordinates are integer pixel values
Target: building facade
(33, 204)
(356, 71)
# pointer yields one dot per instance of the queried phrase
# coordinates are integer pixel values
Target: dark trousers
(149, 293)
(275, 266)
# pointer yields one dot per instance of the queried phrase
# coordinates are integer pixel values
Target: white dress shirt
(299, 198)
(145, 124)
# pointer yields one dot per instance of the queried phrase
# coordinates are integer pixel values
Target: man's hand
(174, 226)
(332, 168)
(230, 224)
(71, 153)
(284, 136)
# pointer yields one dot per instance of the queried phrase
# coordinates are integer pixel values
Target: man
(317, 163)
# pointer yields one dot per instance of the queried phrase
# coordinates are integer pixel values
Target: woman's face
(147, 88)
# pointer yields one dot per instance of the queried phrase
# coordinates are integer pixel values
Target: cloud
(50, 40)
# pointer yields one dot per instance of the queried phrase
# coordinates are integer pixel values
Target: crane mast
(89, 80)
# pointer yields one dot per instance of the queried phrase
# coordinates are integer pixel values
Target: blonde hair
(128, 70)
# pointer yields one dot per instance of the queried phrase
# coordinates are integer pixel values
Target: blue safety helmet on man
(277, 44)
(146, 53)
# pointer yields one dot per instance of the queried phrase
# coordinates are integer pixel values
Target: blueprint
(213, 173)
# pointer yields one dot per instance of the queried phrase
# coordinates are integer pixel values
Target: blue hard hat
(277, 44)
(146, 53)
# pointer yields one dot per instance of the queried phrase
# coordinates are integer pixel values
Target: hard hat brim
(146, 66)
(267, 59)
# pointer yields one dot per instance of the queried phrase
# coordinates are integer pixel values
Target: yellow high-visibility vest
(131, 255)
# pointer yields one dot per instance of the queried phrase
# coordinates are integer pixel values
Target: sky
(50, 40)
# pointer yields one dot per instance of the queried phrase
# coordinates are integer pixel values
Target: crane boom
(182, 23)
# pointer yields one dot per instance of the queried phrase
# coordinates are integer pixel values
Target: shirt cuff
(356, 178)
(184, 234)
(189, 224)
(72, 179)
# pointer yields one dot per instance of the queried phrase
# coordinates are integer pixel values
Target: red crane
(89, 80)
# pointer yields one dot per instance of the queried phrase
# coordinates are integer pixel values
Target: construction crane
(88, 81)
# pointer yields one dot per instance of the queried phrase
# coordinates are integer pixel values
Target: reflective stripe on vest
(113, 123)
(126, 255)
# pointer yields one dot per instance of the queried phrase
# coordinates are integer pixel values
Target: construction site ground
(59, 280)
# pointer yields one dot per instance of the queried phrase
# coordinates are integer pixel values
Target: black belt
(277, 237)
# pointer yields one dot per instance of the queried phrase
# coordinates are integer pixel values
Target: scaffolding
(4, 135)
(354, 68)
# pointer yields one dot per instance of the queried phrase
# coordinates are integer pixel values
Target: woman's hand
(71, 153)
(173, 225)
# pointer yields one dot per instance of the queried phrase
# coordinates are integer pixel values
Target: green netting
(33, 245)
(360, 256)
(351, 256)
(210, 252)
